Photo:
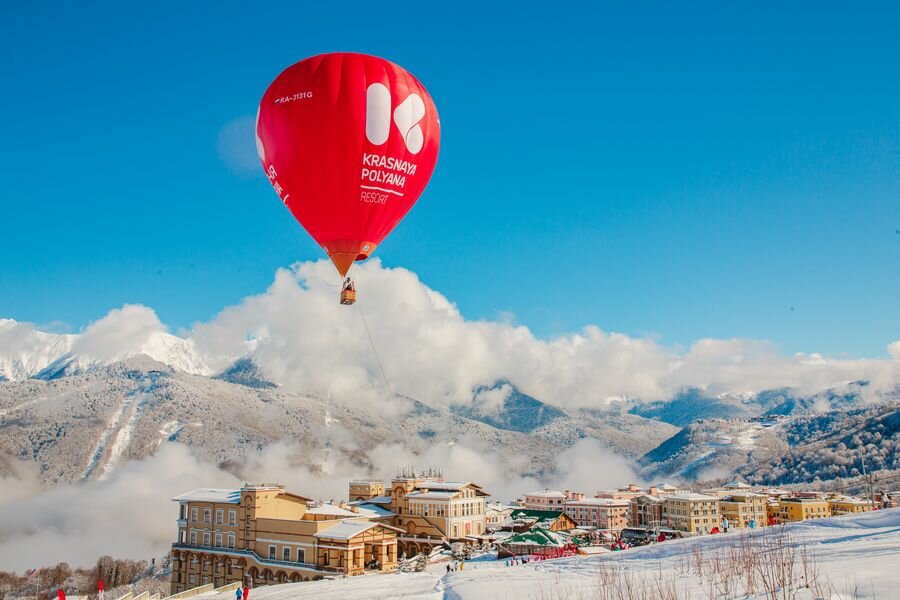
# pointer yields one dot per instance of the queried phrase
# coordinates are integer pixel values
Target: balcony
(182, 522)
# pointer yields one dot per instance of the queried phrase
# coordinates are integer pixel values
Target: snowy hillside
(844, 557)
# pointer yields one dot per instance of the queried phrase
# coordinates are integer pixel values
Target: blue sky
(683, 172)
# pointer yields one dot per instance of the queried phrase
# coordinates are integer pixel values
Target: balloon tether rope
(375, 351)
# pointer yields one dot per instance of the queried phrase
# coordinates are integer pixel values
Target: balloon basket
(348, 297)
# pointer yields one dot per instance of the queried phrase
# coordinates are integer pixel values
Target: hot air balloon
(349, 142)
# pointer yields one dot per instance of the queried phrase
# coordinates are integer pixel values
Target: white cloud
(236, 146)
(305, 340)
(130, 515)
(118, 333)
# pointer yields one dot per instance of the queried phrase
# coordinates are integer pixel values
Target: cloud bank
(304, 340)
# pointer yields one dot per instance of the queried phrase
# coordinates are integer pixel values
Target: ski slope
(858, 554)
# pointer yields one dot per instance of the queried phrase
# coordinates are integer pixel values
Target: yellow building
(844, 505)
(693, 513)
(261, 535)
(790, 509)
(432, 512)
(366, 490)
(744, 510)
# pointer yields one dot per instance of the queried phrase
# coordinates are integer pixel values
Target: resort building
(602, 513)
(496, 514)
(744, 510)
(432, 512)
(791, 509)
(646, 512)
(262, 534)
(366, 490)
(844, 505)
(690, 512)
(524, 519)
(545, 499)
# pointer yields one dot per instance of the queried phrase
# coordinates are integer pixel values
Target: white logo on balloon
(406, 117)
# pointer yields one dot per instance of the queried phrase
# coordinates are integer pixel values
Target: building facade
(432, 512)
(646, 512)
(262, 535)
(366, 490)
(843, 505)
(744, 510)
(545, 499)
(791, 509)
(602, 513)
(691, 513)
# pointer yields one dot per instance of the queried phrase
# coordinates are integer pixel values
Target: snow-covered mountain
(26, 352)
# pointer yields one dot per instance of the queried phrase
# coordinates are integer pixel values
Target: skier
(448, 567)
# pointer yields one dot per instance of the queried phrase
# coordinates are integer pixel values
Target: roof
(331, 509)
(664, 486)
(546, 494)
(529, 513)
(373, 511)
(736, 484)
(218, 495)
(348, 529)
(536, 536)
(691, 496)
(599, 502)
(380, 500)
(429, 495)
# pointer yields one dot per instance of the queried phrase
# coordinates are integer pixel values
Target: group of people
(242, 593)
(452, 567)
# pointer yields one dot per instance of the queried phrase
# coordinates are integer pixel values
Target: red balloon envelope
(349, 142)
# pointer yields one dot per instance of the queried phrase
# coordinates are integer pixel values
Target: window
(301, 555)
(183, 534)
(207, 515)
(194, 513)
(192, 578)
(273, 552)
(184, 511)
(194, 538)
(232, 517)
(218, 540)
(220, 516)
(206, 538)
(231, 540)
(286, 554)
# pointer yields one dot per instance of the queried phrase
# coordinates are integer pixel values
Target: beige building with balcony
(690, 512)
(545, 499)
(744, 510)
(602, 513)
(262, 535)
(432, 512)
(845, 505)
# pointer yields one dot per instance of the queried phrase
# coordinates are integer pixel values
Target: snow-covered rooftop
(220, 495)
(692, 496)
(546, 494)
(431, 495)
(380, 500)
(736, 485)
(331, 509)
(598, 502)
(373, 511)
(347, 529)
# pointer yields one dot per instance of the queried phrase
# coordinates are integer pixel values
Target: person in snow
(246, 592)
(448, 567)
(238, 593)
